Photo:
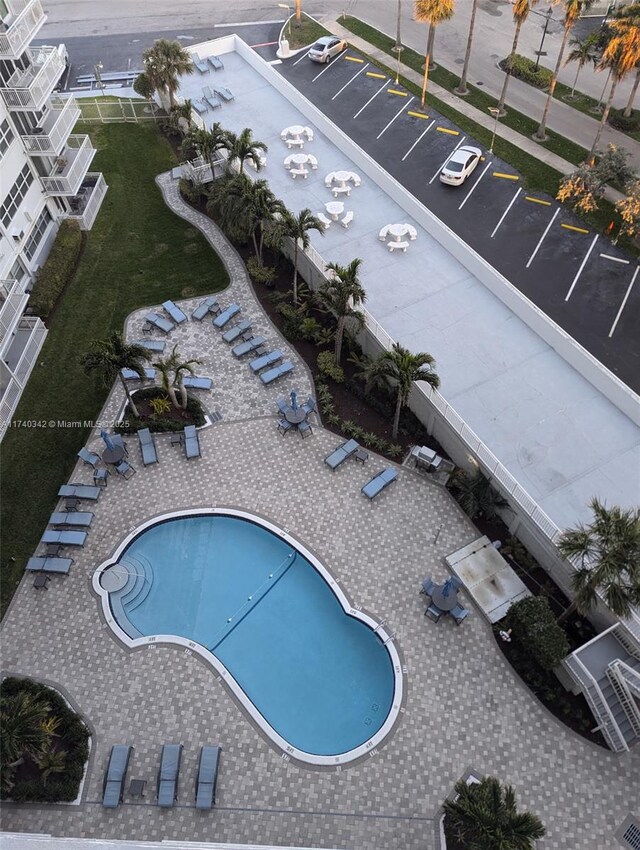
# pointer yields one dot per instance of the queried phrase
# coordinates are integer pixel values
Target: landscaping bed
(170, 420)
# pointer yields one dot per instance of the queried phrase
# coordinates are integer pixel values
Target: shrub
(57, 269)
(626, 125)
(525, 69)
(260, 273)
(191, 192)
(328, 366)
(535, 629)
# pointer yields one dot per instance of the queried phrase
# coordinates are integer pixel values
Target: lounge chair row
(168, 776)
(177, 316)
(203, 65)
(376, 484)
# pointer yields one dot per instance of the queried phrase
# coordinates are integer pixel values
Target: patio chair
(174, 311)
(213, 101)
(71, 503)
(277, 372)
(155, 345)
(428, 586)
(79, 491)
(194, 382)
(203, 308)
(191, 442)
(309, 406)
(132, 375)
(168, 775)
(49, 565)
(117, 440)
(90, 458)
(115, 776)
(284, 426)
(100, 477)
(52, 550)
(216, 63)
(283, 405)
(125, 469)
(160, 322)
(200, 106)
(225, 93)
(456, 582)
(433, 612)
(80, 519)
(459, 613)
(199, 63)
(147, 447)
(248, 346)
(379, 482)
(64, 538)
(236, 330)
(305, 429)
(339, 455)
(267, 359)
(226, 316)
(207, 777)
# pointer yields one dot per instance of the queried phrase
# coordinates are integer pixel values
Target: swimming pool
(320, 677)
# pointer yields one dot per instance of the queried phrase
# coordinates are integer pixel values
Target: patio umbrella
(107, 439)
(294, 400)
(447, 587)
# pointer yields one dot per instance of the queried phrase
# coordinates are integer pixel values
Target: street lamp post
(288, 8)
(544, 34)
(96, 70)
(496, 114)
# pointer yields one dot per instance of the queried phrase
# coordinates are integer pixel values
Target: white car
(460, 165)
(326, 48)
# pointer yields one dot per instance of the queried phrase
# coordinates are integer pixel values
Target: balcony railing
(13, 300)
(86, 204)
(60, 118)
(70, 168)
(21, 29)
(35, 332)
(28, 89)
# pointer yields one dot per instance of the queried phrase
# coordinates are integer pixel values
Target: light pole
(496, 114)
(96, 70)
(544, 34)
(288, 8)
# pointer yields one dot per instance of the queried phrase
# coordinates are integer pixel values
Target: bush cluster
(328, 366)
(260, 273)
(536, 630)
(57, 269)
(159, 424)
(191, 192)
(624, 124)
(525, 69)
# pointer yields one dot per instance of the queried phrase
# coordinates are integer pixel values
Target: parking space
(537, 245)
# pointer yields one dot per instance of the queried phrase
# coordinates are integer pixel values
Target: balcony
(85, 206)
(20, 27)
(13, 300)
(20, 359)
(27, 90)
(70, 169)
(51, 136)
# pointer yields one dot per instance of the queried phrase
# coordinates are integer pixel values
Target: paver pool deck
(465, 705)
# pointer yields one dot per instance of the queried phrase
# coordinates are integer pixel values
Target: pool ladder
(379, 626)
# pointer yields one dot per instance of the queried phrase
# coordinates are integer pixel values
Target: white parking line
(395, 116)
(547, 229)
(382, 88)
(350, 81)
(473, 188)
(447, 160)
(582, 265)
(329, 65)
(624, 301)
(304, 56)
(615, 259)
(504, 214)
(417, 140)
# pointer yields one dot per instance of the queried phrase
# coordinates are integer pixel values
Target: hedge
(537, 632)
(57, 269)
(525, 69)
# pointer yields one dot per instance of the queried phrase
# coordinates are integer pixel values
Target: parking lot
(579, 279)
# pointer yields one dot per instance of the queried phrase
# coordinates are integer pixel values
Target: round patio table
(334, 208)
(295, 417)
(295, 130)
(444, 603)
(113, 455)
(342, 176)
(397, 231)
(299, 158)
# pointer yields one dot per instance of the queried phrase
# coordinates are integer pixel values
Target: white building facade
(44, 177)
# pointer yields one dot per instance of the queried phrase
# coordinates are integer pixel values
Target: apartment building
(44, 177)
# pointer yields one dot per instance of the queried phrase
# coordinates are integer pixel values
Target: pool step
(144, 569)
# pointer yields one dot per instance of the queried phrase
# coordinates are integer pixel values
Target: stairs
(133, 594)
(623, 706)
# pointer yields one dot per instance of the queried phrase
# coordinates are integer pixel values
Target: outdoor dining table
(113, 455)
(334, 208)
(444, 603)
(298, 158)
(397, 231)
(296, 130)
(343, 177)
(295, 417)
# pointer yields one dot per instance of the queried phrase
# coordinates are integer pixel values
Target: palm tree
(582, 52)
(50, 761)
(143, 86)
(110, 356)
(21, 717)
(164, 64)
(181, 116)
(404, 368)
(609, 552)
(342, 293)
(462, 86)
(572, 11)
(249, 205)
(432, 12)
(243, 146)
(476, 496)
(297, 228)
(629, 18)
(484, 816)
(208, 142)
(171, 369)
(520, 14)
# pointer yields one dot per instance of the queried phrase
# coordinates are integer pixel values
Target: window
(6, 137)
(35, 237)
(15, 196)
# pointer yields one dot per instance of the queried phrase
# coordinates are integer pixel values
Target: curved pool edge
(288, 752)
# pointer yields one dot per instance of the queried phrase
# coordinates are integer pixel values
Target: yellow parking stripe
(417, 115)
(447, 130)
(399, 93)
(537, 201)
(571, 227)
(505, 176)
(354, 59)
(377, 76)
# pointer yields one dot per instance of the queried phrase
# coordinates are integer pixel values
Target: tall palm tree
(432, 12)
(22, 734)
(342, 294)
(462, 86)
(572, 11)
(297, 228)
(164, 64)
(171, 370)
(582, 52)
(621, 55)
(476, 496)
(629, 18)
(609, 552)
(484, 816)
(404, 368)
(243, 146)
(110, 356)
(208, 142)
(252, 205)
(520, 14)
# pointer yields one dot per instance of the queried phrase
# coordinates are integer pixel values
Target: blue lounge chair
(81, 519)
(147, 447)
(225, 93)
(212, 99)
(49, 565)
(200, 106)
(160, 322)
(204, 308)
(267, 359)
(156, 345)
(174, 311)
(459, 613)
(216, 63)
(226, 316)
(428, 586)
(277, 372)
(248, 346)
(337, 457)
(237, 330)
(168, 775)
(64, 538)
(199, 63)
(379, 482)
(191, 442)
(79, 491)
(132, 375)
(125, 469)
(207, 777)
(115, 776)
(90, 458)
(193, 382)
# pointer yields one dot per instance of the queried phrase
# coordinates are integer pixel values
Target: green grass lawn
(305, 34)
(138, 253)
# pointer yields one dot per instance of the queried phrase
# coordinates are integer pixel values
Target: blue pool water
(321, 678)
